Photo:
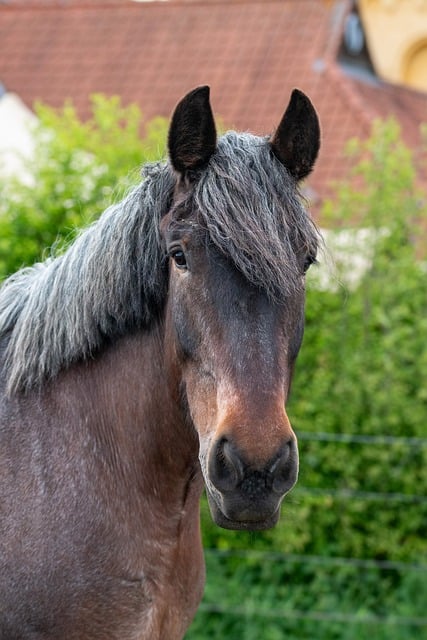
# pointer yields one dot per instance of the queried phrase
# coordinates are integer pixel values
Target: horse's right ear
(192, 132)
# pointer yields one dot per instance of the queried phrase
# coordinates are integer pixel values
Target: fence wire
(316, 616)
(351, 438)
(278, 556)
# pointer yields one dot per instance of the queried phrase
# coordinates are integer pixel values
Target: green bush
(365, 352)
(78, 169)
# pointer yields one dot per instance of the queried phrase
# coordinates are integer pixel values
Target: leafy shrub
(74, 175)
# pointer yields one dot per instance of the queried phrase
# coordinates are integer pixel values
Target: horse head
(239, 242)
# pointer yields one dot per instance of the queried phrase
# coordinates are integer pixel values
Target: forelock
(254, 214)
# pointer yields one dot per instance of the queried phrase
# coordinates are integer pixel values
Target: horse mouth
(241, 524)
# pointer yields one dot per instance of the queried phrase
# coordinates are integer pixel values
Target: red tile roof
(251, 52)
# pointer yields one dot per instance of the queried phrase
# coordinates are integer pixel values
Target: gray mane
(113, 278)
(110, 279)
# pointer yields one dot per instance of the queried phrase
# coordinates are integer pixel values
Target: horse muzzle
(242, 495)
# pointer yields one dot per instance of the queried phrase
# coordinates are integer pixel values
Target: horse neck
(135, 413)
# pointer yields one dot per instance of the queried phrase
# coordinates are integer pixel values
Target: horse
(148, 361)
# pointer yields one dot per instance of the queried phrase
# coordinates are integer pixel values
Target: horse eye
(310, 259)
(178, 256)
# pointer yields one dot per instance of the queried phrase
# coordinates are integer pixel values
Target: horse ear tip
(299, 96)
(202, 92)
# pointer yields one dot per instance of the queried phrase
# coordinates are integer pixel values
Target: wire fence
(351, 494)
(349, 438)
(278, 556)
(316, 616)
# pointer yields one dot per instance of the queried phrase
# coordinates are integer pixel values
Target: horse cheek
(202, 402)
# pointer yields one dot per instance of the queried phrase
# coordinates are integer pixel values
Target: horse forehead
(187, 232)
(181, 232)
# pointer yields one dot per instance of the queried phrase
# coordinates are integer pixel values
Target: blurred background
(86, 89)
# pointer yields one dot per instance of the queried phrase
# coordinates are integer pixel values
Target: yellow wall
(396, 34)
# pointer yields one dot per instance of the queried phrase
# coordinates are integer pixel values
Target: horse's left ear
(192, 133)
(296, 142)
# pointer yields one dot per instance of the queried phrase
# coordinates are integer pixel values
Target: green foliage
(73, 176)
(272, 597)
(365, 352)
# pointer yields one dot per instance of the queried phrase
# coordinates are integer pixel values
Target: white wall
(16, 140)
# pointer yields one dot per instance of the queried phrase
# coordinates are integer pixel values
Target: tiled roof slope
(251, 53)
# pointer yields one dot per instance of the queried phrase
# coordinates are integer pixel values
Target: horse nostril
(225, 467)
(284, 470)
(228, 472)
